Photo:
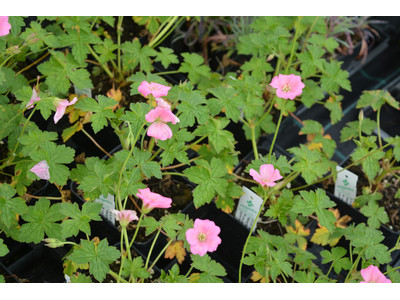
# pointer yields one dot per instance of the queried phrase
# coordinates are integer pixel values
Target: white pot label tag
(108, 205)
(85, 91)
(346, 186)
(248, 207)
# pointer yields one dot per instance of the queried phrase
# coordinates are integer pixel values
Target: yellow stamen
(286, 88)
(202, 237)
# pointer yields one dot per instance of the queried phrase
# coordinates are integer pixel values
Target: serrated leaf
(369, 163)
(336, 257)
(193, 64)
(10, 207)
(376, 215)
(334, 78)
(98, 256)
(376, 99)
(34, 138)
(41, 219)
(176, 249)
(166, 57)
(134, 54)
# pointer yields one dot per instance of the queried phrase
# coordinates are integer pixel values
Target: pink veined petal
(152, 115)
(34, 98)
(5, 26)
(162, 103)
(275, 83)
(41, 170)
(160, 131)
(166, 115)
(276, 175)
(266, 172)
(256, 176)
(144, 88)
(60, 111)
(191, 235)
(159, 90)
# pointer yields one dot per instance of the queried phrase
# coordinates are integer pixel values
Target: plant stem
(151, 248)
(116, 276)
(120, 19)
(168, 33)
(167, 72)
(378, 117)
(293, 47)
(191, 267)
(159, 255)
(38, 197)
(267, 113)
(136, 231)
(248, 237)
(122, 257)
(155, 154)
(162, 33)
(276, 131)
(32, 64)
(309, 33)
(94, 22)
(127, 245)
(253, 141)
(173, 173)
(94, 141)
(107, 70)
(195, 143)
(23, 130)
(394, 269)
(180, 165)
(354, 265)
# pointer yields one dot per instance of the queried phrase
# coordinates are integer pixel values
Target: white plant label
(108, 205)
(248, 208)
(85, 91)
(346, 186)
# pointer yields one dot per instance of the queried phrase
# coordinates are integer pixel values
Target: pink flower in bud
(267, 175)
(162, 103)
(152, 200)
(41, 170)
(203, 237)
(4, 26)
(125, 216)
(33, 98)
(61, 105)
(159, 116)
(373, 275)
(287, 86)
(156, 89)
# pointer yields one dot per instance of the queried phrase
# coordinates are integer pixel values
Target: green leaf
(166, 57)
(102, 108)
(13, 82)
(193, 64)
(98, 256)
(396, 145)
(209, 267)
(282, 207)
(393, 275)
(34, 138)
(218, 137)
(79, 41)
(376, 99)
(334, 78)
(192, 107)
(42, 35)
(79, 220)
(311, 127)
(336, 257)
(151, 224)
(369, 164)
(365, 198)
(41, 219)
(257, 66)
(149, 168)
(304, 277)
(60, 70)
(225, 100)
(209, 180)
(376, 215)
(3, 248)
(106, 50)
(134, 54)
(135, 268)
(316, 202)
(136, 116)
(310, 163)
(334, 105)
(351, 130)
(55, 156)
(311, 60)
(16, 24)
(10, 207)
(80, 278)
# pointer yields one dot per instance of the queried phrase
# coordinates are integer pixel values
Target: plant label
(85, 91)
(108, 204)
(248, 207)
(346, 186)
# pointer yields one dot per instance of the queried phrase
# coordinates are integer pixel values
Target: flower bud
(53, 243)
(13, 50)
(31, 39)
(361, 115)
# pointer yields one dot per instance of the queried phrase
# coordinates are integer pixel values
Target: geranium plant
(157, 122)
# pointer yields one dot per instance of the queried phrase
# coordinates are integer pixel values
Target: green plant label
(346, 186)
(108, 205)
(248, 207)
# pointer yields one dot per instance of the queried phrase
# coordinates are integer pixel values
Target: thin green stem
(168, 33)
(190, 269)
(173, 173)
(249, 235)
(195, 143)
(155, 154)
(378, 117)
(329, 271)
(276, 131)
(120, 19)
(116, 276)
(151, 248)
(394, 269)
(94, 22)
(23, 129)
(293, 47)
(128, 248)
(107, 70)
(94, 141)
(163, 32)
(253, 141)
(354, 265)
(121, 244)
(161, 253)
(309, 33)
(136, 231)
(167, 72)
(266, 113)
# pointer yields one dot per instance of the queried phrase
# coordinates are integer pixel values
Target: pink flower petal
(156, 89)
(159, 131)
(41, 170)
(60, 109)
(162, 104)
(153, 200)
(372, 274)
(291, 82)
(5, 26)
(34, 98)
(203, 237)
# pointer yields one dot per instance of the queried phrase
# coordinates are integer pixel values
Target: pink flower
(61, 106)
(162, 103)
(287, 86)
(156, 89)
(125, 216)
(152, 200)
(203, 237)
(4, 26)
(41, 169)
(373, 275)
(159, 116)
(33, 98)
(267, 175)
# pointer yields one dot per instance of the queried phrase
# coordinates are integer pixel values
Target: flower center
(286, 88)
(201, 237)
